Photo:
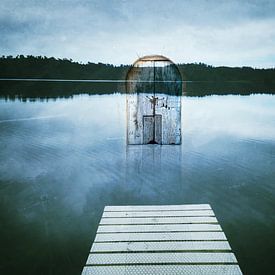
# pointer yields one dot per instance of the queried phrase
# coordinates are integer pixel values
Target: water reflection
(150, 167)
(35, 90)
(62, 161)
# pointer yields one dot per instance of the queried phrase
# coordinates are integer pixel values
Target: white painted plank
(160, 246)
(163, 220)
(175, 236)
(132, 214)
(158, 207)
(160, 258)
(163, 270)
(158, 228)
(167, 239)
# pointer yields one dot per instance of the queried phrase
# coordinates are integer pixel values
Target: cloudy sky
(232, 32)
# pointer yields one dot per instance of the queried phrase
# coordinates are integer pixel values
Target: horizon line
(115, 80)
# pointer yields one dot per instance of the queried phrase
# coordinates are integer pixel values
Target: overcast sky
(233, 33)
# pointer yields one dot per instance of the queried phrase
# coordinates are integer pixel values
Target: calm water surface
(62, 161)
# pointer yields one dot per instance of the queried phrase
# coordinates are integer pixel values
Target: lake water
(62, 161)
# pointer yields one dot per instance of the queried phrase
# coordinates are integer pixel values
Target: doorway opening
(152, 129)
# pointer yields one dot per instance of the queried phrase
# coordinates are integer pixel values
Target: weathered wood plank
(175, 236)
(158, 228)
(177, 239)
(132, 214)
(158, 207)
(163, 270)
(160, 258)
(161, 246)
(163, 220)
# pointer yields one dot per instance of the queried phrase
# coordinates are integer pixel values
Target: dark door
(152, 129)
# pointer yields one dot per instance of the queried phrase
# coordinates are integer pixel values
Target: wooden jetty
(164, 239)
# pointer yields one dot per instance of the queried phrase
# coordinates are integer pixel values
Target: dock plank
(161, 246)
(159, 236)
(158, 207)
(160, 258)
(163, 220)
(158, 228)
(163, 270)
(133, 214)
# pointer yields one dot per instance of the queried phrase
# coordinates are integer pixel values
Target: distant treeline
(43, 67)
(209, 79)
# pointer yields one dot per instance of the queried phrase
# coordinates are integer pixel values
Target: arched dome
(147, 59)
(154, 74)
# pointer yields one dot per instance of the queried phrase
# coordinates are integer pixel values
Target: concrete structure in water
(154, 86)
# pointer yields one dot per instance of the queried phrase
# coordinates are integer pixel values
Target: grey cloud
(215, 32)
